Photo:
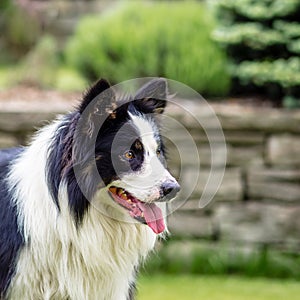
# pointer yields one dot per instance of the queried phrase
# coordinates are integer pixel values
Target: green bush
(192, 257)
(42, 61)
(262, 37)
(20, 30)
(42, 68)
(141, 39)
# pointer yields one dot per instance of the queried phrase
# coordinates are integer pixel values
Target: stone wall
(258, 201)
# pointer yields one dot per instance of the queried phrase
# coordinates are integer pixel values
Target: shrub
(20, 29)
(196, 257)
(42, 62)
(151, 39)
(263, 39)
(46, 69)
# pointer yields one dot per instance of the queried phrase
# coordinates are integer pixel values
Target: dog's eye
(158, 152)
(129, 155)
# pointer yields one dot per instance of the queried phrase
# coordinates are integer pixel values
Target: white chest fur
(59, 261)
(96, 262)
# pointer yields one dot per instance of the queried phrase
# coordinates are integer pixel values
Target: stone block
(258, 222)
(281, 191)
(236, 118)
(198, 135)
(185, 154)
(193, 224)
(262, 119)
(195, 114)
(198, 145)
(189, 205)
(244, 138)
(245, 156)
(274, 175)
(283, 149)
(231, 188)
(277, 184)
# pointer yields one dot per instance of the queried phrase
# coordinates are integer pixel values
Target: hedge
(169, 39)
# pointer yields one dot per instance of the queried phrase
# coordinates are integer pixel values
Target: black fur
(132, 291)
(60, 167)
(132, 288)
(152, 97)
(87, 135)
(100, 86)
(11, 236)
(60, 154)
(71, 150)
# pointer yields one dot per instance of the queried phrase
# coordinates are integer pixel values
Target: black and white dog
(84, 203)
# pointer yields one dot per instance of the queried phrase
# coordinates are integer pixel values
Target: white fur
(96, 261)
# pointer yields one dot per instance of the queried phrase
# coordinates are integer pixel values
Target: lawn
(189, 287)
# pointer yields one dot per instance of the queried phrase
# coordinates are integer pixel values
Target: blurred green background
(219, 48)
(222, 49)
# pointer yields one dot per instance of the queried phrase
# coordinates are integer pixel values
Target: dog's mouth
(146, 213)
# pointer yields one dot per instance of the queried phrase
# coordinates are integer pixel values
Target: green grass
(189, 287)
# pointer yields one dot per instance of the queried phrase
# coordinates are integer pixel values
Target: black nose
(170, 189)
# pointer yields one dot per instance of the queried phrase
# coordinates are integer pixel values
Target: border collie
(83, 204)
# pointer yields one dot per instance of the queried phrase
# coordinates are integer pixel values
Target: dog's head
(121, 139)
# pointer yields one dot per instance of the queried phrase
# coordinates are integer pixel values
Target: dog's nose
(170, 189)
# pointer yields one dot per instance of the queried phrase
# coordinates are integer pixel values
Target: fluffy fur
(63, 232)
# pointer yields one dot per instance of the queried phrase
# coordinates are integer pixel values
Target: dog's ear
(99, 98)
(152, 97)
(99, 103)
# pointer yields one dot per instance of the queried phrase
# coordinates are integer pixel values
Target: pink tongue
(153, 216)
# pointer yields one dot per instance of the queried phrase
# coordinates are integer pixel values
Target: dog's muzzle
(169, 190)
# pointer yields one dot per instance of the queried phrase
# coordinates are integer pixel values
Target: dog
(84, 203)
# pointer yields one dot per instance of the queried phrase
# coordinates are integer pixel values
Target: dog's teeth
(142, 214)
(113, 190)
(123, 196)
